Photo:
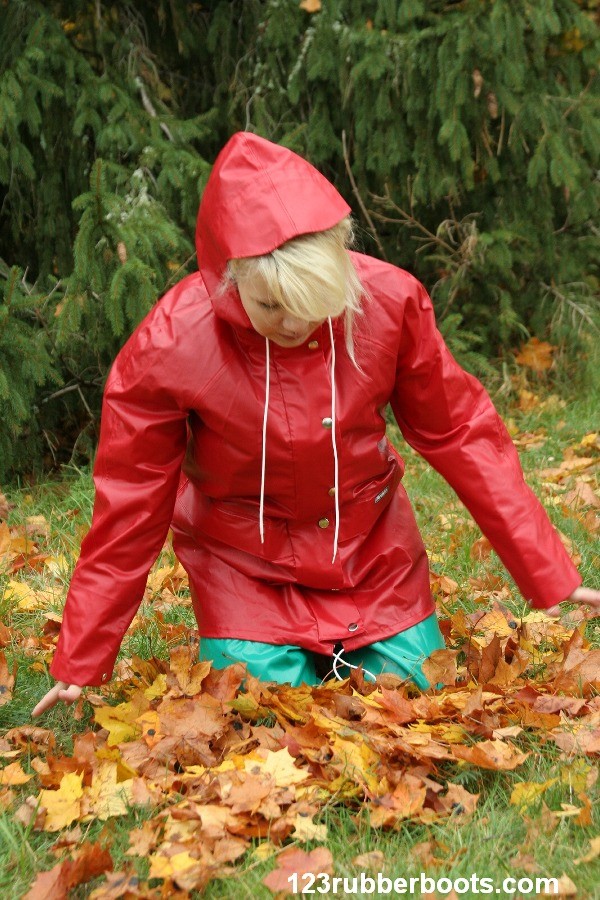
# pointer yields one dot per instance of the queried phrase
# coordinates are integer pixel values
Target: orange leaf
(7, 679)
(189, 674)
(440, 667)
(13, 774)
(536, 355)
(55, 884)
(496, 755)
(310, 6)
(293, 865)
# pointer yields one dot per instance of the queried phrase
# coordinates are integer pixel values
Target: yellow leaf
(14, 774)
(589, 440)
(566, 888)
(306, 830)
(359, 762)
(107, 796)
(167, 866)
(527, 792)
(576, 774)
(57, 565)
(592, 853)
(158, 688)
(279, 765)
(120, 720)
(265, 851)
(64, 805)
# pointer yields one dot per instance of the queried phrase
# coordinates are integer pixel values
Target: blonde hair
(311, 277)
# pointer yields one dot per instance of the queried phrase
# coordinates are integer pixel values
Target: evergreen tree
(464, 134)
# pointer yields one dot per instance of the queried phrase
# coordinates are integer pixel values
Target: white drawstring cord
(261, 523)
(338, 660)
(334, 444)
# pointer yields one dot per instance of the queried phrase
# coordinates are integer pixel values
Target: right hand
(68, 693)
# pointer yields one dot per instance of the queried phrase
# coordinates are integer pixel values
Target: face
(270, 319)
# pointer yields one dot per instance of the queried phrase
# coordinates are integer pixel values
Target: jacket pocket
(232, 524)
(360, 514)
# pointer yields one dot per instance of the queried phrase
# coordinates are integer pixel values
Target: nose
(292, 325)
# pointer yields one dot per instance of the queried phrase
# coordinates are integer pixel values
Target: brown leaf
(496, 755)
(373, 860)
(490, 657)
(402, 709)
(189, 674)
(440, 667)
(481, 549)
(121, 886)
(525, 862)
(7, 679)
(55, 884)
(293, 865)
(4, 507)
(183, 717)
(582, 495)
(31, 738)
(223, 684)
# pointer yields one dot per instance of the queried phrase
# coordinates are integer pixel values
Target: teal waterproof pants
(402, 654)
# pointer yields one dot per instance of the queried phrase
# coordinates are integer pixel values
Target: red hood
(258, 196)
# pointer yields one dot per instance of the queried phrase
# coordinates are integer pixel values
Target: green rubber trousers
(402, 654)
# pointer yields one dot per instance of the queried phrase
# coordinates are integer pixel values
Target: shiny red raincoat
(181, 444)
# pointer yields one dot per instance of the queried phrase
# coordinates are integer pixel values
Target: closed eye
(269, 306)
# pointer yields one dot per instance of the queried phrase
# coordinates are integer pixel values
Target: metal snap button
(327, 422)
(323, 523)
(331, 492)
(312, 345)
(352, 626)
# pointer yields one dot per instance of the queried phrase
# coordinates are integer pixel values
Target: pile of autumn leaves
(220, 765)
(218, 760)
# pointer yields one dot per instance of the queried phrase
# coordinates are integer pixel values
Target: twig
(356, 192)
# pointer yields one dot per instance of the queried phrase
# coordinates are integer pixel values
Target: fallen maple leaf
(55, 884)
(294, 865)
(526, 793)
(279, 765)
(440, 667)
(107, 796)
(563, 888)
(7, 679)
(497, 755)
(535, 354)
(374, 860)
(592, 853)
(120, 886)
(13, 774)
(64, 805)
(189, 674)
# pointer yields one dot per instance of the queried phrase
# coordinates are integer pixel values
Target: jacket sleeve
(142, 442)
(446, 415)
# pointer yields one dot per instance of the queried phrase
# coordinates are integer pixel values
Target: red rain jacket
(181, 444)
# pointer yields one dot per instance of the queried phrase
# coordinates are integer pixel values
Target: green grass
(485, 844)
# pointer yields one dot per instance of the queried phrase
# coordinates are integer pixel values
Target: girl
(247, 413)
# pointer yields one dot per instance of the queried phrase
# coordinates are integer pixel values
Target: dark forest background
(465, 135)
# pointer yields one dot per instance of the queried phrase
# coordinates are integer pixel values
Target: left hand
(588, 596)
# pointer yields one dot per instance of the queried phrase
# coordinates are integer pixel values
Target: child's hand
(68, 693)
(580, 595)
